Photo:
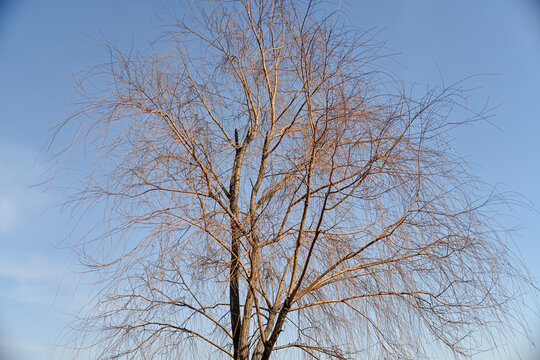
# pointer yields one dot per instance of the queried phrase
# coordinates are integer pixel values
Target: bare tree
(270, 191)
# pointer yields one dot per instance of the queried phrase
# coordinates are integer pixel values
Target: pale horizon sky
(43, 43)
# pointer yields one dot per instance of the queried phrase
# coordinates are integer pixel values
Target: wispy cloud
(20, 345)
(8, 213)
(30, 278)
(18, 199)
(29, 267)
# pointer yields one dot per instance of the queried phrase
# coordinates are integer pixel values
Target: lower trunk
(248, 305)
(271, 342)
(234, 294)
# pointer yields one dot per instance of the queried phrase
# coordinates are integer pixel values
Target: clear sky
(42, 43)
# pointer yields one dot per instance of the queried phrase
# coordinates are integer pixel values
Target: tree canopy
(271, 190)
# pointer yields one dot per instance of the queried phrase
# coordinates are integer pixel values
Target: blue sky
(42, 43)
